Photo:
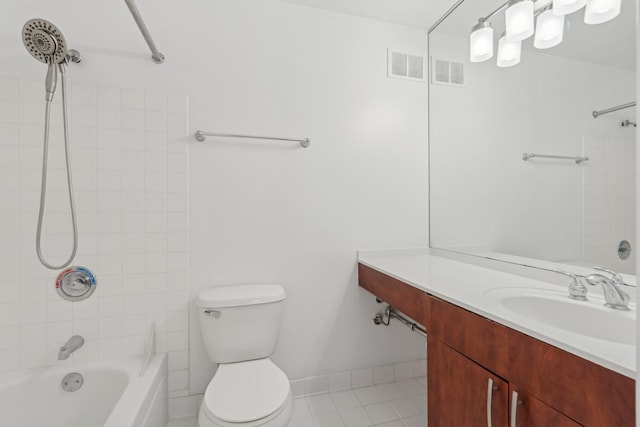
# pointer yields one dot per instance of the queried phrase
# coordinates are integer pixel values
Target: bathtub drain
(72, 382)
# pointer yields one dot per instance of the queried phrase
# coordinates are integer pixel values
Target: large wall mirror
(493, 193)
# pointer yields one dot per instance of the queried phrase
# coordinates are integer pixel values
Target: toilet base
(280, 418)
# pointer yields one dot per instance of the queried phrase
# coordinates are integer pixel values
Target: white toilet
(240, 326)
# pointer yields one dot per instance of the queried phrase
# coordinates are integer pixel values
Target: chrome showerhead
(44, 41)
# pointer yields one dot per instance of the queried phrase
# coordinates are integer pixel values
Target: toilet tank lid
(239, 295)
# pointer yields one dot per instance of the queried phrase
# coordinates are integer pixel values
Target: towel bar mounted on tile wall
(578, 160)
(202, 136)
(391, 313)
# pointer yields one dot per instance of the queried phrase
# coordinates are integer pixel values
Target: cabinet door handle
(514, 408)
(490, 389)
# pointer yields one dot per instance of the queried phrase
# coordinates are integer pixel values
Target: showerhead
(44, 41)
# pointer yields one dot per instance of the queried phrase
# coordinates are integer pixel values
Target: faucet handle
(617, 278)
(577, 290)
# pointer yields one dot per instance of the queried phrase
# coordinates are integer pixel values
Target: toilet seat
(246, 392)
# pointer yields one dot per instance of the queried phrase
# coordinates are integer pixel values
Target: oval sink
(588, 318)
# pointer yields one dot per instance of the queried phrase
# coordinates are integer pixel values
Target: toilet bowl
(240, 326)
(247, 394)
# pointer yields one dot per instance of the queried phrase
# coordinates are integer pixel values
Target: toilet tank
(240, 322)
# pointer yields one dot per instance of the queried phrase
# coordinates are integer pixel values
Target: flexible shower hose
(43, 188)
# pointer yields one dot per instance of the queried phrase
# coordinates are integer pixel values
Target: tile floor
(395, 404)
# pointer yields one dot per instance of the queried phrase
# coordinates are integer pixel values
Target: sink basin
(588, 318)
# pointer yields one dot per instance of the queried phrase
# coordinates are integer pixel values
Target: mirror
(485, 199)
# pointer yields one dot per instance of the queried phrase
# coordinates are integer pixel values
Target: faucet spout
(613, 295)
(74, 343)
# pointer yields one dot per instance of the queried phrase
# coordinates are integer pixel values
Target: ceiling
(419, 14)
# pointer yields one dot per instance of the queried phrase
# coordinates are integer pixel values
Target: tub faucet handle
(577, 290)
(617, 278)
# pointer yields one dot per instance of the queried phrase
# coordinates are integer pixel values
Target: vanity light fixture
(565, 7)
(599, 11)
(508, 52)
(519, 25)
(519, 20)
(481, 41)
(549, 30)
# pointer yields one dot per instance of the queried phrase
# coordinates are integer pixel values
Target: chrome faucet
(74, 343)
(613, 295)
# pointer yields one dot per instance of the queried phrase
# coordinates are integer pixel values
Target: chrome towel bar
(578, 160)
(202, 136)
(612, 109)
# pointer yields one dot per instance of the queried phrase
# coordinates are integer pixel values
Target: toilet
(240, 326)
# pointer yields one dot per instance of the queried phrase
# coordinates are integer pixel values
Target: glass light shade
(599, 11)
(519, 20)
(508, 52)
(481, 42)
(549, 30)
(565, 7)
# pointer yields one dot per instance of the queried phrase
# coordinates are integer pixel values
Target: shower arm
(156, 56)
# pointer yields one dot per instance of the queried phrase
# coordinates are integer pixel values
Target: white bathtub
(113, 395)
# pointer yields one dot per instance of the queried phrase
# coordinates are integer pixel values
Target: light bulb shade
(481, 42)
(508, 52)
(565, 7)
(519, 20)
(549, 30)
(599, 11)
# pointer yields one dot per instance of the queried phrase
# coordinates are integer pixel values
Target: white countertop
(466, 286)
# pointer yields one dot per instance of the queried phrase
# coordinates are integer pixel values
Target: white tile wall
(129, 159)
(609, 199)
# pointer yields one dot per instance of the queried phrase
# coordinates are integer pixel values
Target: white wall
(278, 213)
(482, 192)
(274, 212)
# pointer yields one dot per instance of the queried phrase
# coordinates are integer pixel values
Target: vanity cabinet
(465, 351)
(464, 394)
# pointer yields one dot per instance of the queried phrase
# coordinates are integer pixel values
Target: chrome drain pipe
(391, 313)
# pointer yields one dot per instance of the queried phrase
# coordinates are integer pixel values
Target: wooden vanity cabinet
(465, 392)
(467, 395)
(464, 351)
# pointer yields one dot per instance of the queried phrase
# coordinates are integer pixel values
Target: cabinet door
(531, 412)
(461, 393)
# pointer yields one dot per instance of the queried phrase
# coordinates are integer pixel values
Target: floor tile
(307, 422)
(300, 409)
(381, 412)
(331, 419)
(406, 407)
(396, 404)
(345, 400)
(321, 404)
(391, 391)
(421, 401)
(417, 421)
(356, 417)
(368, 395)
(392, 424)
(412, 387)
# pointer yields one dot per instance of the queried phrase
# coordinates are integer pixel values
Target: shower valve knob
(76, 283)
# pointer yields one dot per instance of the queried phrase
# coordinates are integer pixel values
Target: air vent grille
(406, 66)
(447, 72)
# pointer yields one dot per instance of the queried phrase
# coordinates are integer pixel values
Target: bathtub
(113, 395)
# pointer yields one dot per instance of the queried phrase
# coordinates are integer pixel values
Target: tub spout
(74, 343)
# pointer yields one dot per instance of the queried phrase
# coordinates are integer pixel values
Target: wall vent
(447, 72)
(406, 66)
